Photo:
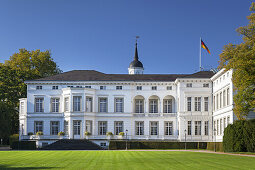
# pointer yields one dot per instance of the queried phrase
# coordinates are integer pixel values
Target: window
(38, 104)
(228, 120)
(139, 87)
(214, 103)
(78, 86)
(88, 126)
(220, 126)
(189, 85)
(214, 126)
(217, 101)
(102, 128)
(197, 103)
(224, 123)
(139, 106)
(55, 105)
(217, 127)
(70, 86)
(167, 105)
(54, 87)
(197, 127)
(153, 105)
(38, 87)
(103, 144)
(66, 104)
(206, 127)
(206, 85)
(118, 126)
(220, 99)
(76, 127)
(154, 128)
(102, 104)
(139, 128)
(22, 107)
(168, 128)
(102, 87)
(227, 74)
(118, 87)
(54, 127)
(189, 127)
(119, 105)
(89, 87)
(154, 88)
(77, 103)
(168, 87)
(89, 104)
(223, 77)
(206, 103)
(224, 98)
(66, 127)
(227, 96)
(38, 126)
(188, 103)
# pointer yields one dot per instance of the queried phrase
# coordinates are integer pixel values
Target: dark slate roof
(135, 64)
(92, 75)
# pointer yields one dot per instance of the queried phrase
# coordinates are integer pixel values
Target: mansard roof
(92, 75)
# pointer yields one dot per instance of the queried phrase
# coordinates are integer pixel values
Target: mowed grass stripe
(122, 160)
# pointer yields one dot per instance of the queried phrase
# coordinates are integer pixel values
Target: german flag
(205, 47)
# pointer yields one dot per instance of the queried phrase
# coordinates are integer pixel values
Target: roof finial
(136, 52)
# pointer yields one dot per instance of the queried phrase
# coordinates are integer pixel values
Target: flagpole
(200, 64)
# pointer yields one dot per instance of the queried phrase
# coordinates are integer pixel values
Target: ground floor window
(76, 127)
(154, 128)
(189, 127)
(66, 127)
(206, 127)
(118, 126)
(102, 128)
(88, 126)
(139, 128)
(38, 126)
(168, 128)
(54, 127)
(197, 127)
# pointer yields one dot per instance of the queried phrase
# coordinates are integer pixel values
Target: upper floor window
(189, 85)
(154, 88)
(206, 103)
(102, 104)
(70, 86)
(118, 87)
(89, 105)
(168, 87)
(22, 107)
(66, 104)
(139, 87)
(139, 106)
(153, 105)
(89, 87)
(188, 103)
(38, 87)
(167, 105)
(78, 86)
(55, 105)
(119, 104)
(223, 77)
(38, 104)
(197, 103)
(54, 87)
(228, 96)
(77, 103)
(102, 87)
(206, 85)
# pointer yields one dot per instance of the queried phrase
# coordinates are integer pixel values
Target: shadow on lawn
(15, 168)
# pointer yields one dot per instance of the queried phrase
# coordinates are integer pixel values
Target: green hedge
(219, 146)
(23, 145)
(115, 145)
(14, 137)
(240, 136)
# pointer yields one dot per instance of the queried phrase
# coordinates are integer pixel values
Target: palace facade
(174, 107)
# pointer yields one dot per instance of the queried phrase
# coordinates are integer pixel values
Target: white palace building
(169, 107)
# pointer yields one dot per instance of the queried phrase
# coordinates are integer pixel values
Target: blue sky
(100, 34)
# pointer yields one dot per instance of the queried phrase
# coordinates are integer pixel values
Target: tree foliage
(22, 66)
(241, 58)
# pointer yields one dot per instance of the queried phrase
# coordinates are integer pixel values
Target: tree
(22, 66)
(241, 58)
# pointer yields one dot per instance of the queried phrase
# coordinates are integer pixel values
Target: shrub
(211, 145)
(14, 137)
(23, 145)
(61, 133)
(87, 133)
(121, 133)
(239, 136)
(109, 134)
(39, 133)
(30, 133)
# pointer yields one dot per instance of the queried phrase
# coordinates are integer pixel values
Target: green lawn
(121, 160)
